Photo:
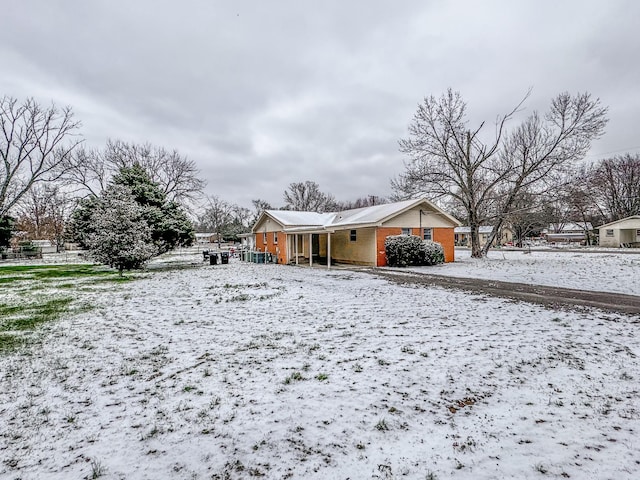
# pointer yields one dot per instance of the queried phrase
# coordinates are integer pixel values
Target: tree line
(521, 175)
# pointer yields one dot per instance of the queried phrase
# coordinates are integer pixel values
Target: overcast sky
(264, 93)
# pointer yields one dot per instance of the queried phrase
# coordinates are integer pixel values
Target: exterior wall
(442, 235)
(267, 225)
(279, 249)
(626, 236)
(411, 218)
(361, 252)
(381, 234)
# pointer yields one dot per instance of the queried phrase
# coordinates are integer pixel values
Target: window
(352, 235)
(609, 233)
(275, 238)
(638, 233)
(406, 231)
(427, 234)
(264, 238)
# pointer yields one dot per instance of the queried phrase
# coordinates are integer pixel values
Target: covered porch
(309, 247)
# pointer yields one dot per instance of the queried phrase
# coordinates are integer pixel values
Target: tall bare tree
(178, 177)
(448, 160)
(35, 142)
(307, 197)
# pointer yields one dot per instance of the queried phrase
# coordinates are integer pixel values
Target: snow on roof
(481, 229)
(290, 218)
(302, 221)
(373, 214)
(622, 220)
(571, 227)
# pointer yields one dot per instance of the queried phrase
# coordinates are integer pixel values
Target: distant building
(570, 232)
(621, 233)
(462, 236)
(204, 238)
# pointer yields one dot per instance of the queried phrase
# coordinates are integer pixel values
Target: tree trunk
(476, 251)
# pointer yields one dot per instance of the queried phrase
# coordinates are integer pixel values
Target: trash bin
(213, 258)
(224, 257)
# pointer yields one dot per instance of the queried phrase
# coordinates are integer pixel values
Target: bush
(408, 250)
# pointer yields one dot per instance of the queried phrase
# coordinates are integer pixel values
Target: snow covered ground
(597, 271)
(242, 370)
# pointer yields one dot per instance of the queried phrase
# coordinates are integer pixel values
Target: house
(569, 232)
(463, 236)
(203, 238)
(247, 241)
(353, 236)
(621, 233)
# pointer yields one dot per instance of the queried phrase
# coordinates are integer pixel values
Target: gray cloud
(262, 94)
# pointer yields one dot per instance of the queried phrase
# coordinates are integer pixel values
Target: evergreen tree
(6, 226)
(130, 222)
(121, 236)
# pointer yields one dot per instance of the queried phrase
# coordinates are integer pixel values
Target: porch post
(296, 247)
(328, 251)
(310, 250)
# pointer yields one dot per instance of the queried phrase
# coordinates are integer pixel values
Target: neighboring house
(353, 236)
(621, 233)
(204, 238)
(247, 241)
(463, 236)
(569, 232)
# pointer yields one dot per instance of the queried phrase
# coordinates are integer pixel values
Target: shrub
(434, 253)
(408, 250)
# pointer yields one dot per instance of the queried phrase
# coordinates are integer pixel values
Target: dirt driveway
(550, 296)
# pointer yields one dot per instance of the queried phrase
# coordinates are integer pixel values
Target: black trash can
(224, 257)
(213, 259)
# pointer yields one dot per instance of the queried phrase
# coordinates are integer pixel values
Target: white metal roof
(294, 221)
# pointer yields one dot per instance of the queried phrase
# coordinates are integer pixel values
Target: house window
(406, 231)
(427, 234)
(609, 233)
(637, 233)
(275, 238)
(264, 238)
(352, 235)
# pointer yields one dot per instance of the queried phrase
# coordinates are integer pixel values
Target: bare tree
(449, 160)
(362, 202)
(178, 177)
(615, 184)
(32, 147)
(307, 197)
(42, 213)
(259, 206)
(217, 215)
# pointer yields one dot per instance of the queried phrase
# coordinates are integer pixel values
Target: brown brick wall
(444, 236)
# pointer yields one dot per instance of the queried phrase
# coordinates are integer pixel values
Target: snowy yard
(242, 370)
(606, 272)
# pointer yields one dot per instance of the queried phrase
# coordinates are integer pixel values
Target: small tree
(122, 237)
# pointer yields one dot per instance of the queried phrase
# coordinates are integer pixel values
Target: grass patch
(17, 273)
(32, 315)
(34, 301)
